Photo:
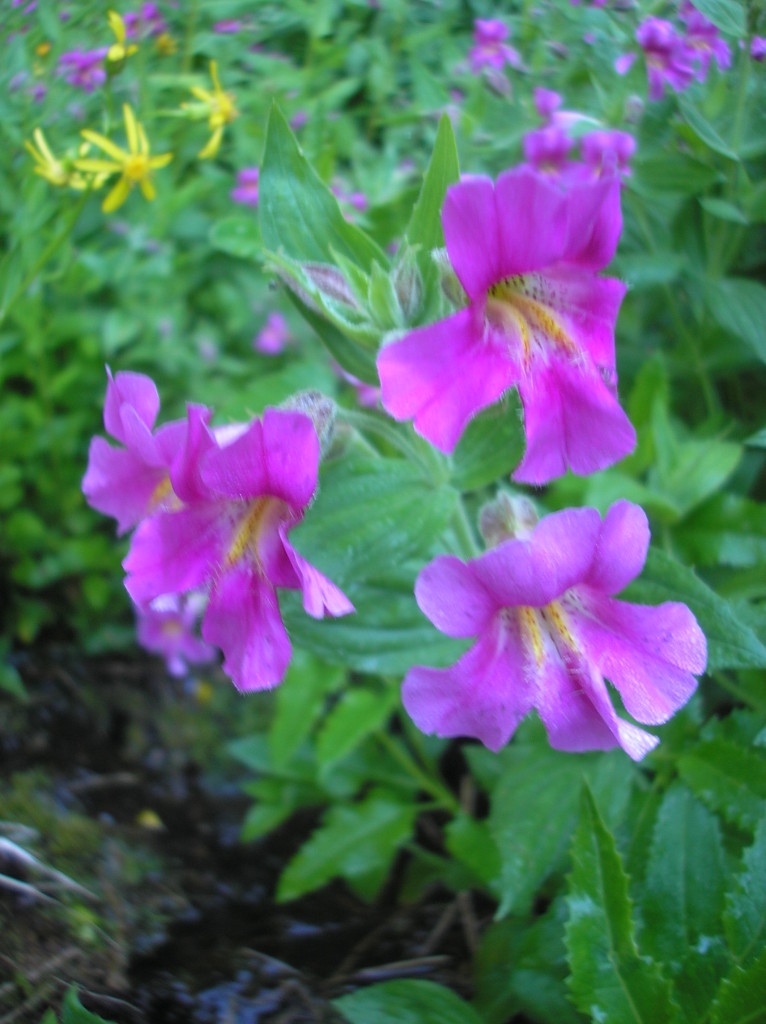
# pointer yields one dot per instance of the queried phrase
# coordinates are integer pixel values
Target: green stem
(465, 533)
(191, 24)
(55, 243)
(430, 785)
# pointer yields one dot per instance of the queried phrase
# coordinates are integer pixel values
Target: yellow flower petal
(106, 144)
(130, 128)
(95, 166)
(148, 189)
(214, 75)
(117, 25)
(117, 196)
(42, 145)
(203, 95)
(213, 145)
(160, 161)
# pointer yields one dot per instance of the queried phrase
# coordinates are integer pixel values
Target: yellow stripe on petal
(117, 196)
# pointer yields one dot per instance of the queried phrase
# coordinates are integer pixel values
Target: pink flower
(667, 57)
(129, 483)
(490, 49)
(246, 191)
(166, 627)
(601, 150)
(84, 68)
(526, 250)
(758, 48)
(240, 495)
(547, 102)
(547, 148)
(703, 43)
(548, 631)
(273, 336)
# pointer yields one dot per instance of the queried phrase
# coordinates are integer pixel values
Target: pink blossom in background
(130, 482)
(489, 47)
(526, 250)
(547, 148)
(667, 57)
(603, 150)
(246, 190)
(546, 101)
(703, 42)
(239, 496)
(758, 48)
(367, 395)
(84, 68)
(147, 21)
(548, 631)
(166, 626)
(299, 118)
(227, 27)
(273, 336)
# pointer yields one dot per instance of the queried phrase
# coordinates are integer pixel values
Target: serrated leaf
(237, 236)
(425, 226)
(610, 980)
(357, 714)
(491, 446)
(731, 643)
(406, 1002)
(683, 893)
(299, 702)
(380, 637)
(371, 513)
(729, 778)
(738, 304)
(745, 915)
(298, 212)
(355, 842)
(534, 810)
(742, 996)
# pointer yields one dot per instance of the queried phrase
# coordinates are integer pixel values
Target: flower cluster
(674, 58)
(213, 510)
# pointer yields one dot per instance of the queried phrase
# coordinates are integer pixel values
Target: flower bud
(448, 278)
(321, 411)
(408, 286)
(506, 518)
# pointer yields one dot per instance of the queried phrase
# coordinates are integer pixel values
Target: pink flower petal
(533, 217)
(587, 307)
(132, 390)
(197, 441)
(621, 548)
(320, 595)
(244, 620)
(595, 222)
(649, 654)
(485, 694)
(536, 571)
(571, 418)
(173, 552)
(453, 598)
(472, 234)
(443, 374)
(119, 484)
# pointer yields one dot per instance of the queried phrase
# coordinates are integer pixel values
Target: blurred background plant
(181, 286)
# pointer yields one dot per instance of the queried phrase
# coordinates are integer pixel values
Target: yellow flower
(58, 172)
(220, 108)
(43, 49)
(134, 165)
(165, 44)
(118, 51)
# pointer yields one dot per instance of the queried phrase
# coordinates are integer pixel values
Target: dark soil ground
(118, 777)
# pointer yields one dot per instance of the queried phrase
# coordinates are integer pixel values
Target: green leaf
(425, 227)
(534, 810)
(358, 713)
(491, 446)
(731, 643)
(742, 996)
(728, 530)
(745, 915)
(470, 842)
(237, 236)
(299, 703)
(739, 305)
(355, 842)
(683, 893)
(298, 212)
(381, 637)
(610, 980)
(406, 1002)
(728, 15)
(73, 1012)
(703, 129)
(642, 270)
(724, 210)
(371, 514)
(730, 778)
